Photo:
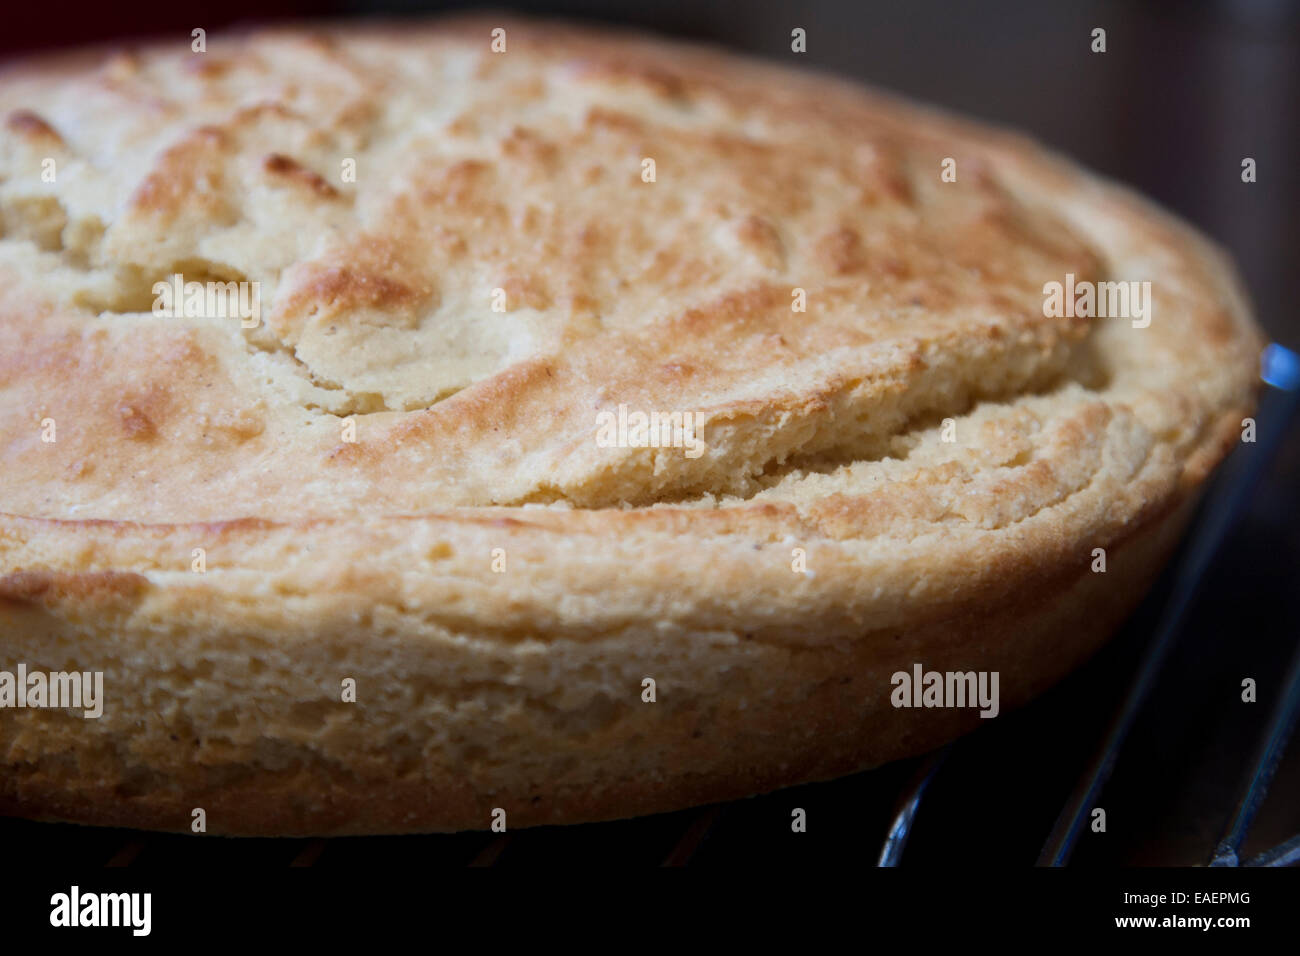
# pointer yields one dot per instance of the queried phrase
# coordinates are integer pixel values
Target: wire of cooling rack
(1272, 745)
(1279, 369)
(909, 802)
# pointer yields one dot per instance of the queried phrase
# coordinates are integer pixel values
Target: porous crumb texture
(944, 456)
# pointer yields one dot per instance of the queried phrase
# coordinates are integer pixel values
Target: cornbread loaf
(615, 420)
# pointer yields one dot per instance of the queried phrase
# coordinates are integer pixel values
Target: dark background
(1183, 93)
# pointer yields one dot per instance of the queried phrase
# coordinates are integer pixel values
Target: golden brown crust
(946, 456)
